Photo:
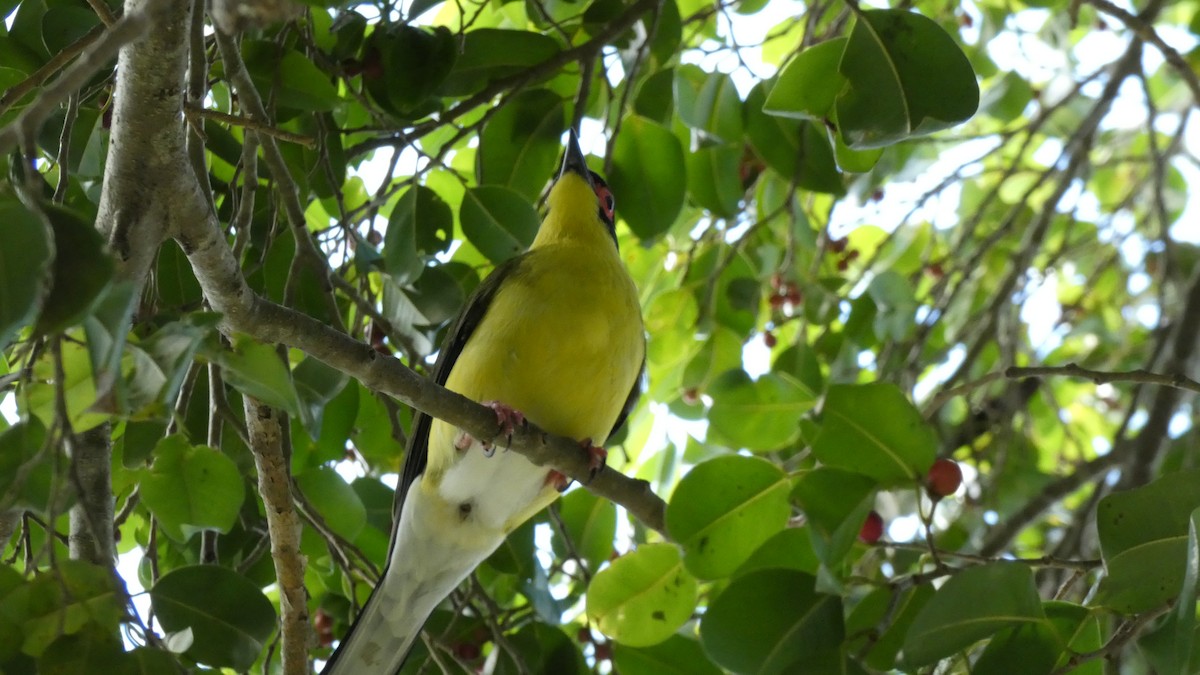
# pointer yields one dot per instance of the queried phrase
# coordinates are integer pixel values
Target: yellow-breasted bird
(554, 336)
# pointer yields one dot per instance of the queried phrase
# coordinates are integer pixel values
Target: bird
(553, 336)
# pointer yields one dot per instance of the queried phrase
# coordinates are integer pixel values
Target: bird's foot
(596, 461)
(508, 419)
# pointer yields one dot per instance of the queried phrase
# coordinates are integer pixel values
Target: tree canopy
(920, 284)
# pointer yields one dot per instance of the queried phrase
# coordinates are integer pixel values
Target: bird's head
(580, 199)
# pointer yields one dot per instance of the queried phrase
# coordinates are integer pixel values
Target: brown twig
(252, 124)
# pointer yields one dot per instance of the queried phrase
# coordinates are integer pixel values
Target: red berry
(944, 478)
(769, 339)
(935, 270)
(603, 651)
(872, 528)
(467, 651)
(322, 621)
(584, 636)
(843, 265)
(877, 195)
(838, 245)
(691, 396)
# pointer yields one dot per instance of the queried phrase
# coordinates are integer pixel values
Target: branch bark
(283, 525)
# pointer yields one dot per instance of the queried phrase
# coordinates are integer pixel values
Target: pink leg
(596, 459)
(507, 419)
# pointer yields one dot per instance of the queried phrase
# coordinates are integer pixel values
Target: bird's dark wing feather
(416, 455)
(630, 401)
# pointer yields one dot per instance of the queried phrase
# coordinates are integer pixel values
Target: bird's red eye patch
(608, 203)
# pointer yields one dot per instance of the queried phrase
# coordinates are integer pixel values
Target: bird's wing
(416, 455)
(635, 393)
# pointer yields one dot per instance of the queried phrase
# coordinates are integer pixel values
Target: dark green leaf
(498, 221)
(759, 415)
(835, 503)
(335, 500)
(713, 179)
(420, 225)
(874, 430)
(490, 53)
(905, 77)
(520, 145)
(773, 621)
(677, 656)
(292, 79)
(809, 84)
(316, 384)
(648, 177)
(23, 261)
(1144, 541)
(230, 618)
(973, 604)
(82, 269)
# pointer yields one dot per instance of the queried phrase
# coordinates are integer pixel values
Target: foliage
(865, 238)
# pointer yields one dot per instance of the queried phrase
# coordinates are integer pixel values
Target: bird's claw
(508, 419)
(596, 462)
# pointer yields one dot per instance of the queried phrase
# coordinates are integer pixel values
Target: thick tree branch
(246, 312)
(275, 487)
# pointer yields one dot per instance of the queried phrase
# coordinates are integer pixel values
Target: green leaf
(874, 430)
(405, 65)
(77, 596)
(62, 25)
(716, 109)
(1032, 649)
(420, 225)
(316, 385)
(26, 475)
(796, 150)
(1183, 617)
(230, 618)
(676, 656)
(192, 488)
(790, 549)
(724, 509)
(291, 78)
(642, 597)
(905, 77)
(255, 370)
(498, 221)
(835, 503)
(93, 651)
(82, 269)
(491, 53)
(973, 604)
(520, 145)
(759, 415)
(894, 615)
(773, 621)
(713, 180)
(161, 361)
(1144, 535)
(335, 500)
(591, 523)
(648, 176)
(106, 331)
(24, 258)
(809, 84)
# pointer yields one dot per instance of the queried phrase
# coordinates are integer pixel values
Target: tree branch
(275, 488)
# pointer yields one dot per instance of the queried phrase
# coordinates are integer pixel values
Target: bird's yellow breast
(562, 342)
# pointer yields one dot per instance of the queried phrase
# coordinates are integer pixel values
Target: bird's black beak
(574, 161)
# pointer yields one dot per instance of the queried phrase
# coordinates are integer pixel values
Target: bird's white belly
(496, 488)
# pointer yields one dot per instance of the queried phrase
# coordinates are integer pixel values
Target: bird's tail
(380, 638)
